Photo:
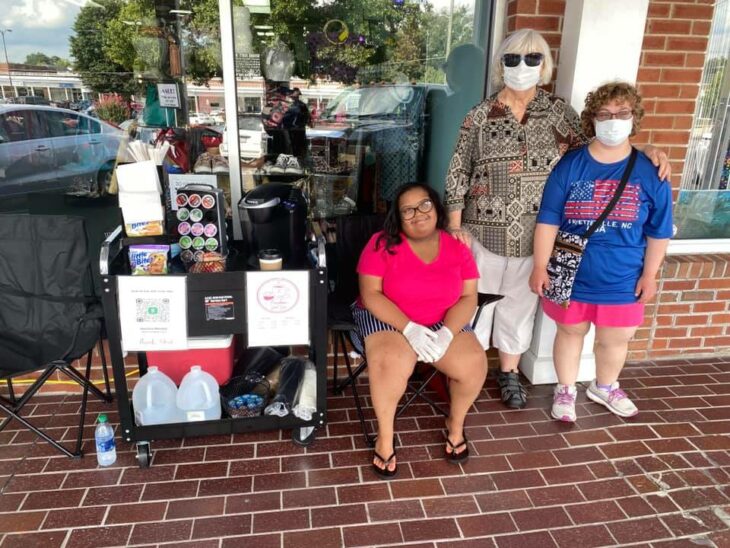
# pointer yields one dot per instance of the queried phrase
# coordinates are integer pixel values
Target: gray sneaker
(564, 403)
(614, 399)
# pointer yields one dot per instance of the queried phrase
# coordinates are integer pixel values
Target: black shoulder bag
(568, 248)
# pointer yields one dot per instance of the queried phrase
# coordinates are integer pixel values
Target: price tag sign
(168, 95)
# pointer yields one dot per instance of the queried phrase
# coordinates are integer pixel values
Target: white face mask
(613, 132)
(521, 77)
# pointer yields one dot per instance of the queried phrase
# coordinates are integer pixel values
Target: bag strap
(616, 195)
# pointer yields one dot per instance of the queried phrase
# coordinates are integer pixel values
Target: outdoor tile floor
(662, 479)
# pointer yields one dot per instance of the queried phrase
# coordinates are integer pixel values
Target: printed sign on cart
(168, 95)
(277, 307)
(153, 312)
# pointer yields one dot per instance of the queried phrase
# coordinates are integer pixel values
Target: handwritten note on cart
(277, 307)
(153, 312)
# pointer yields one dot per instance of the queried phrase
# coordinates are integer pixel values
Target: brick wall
(692, 316)
(692, 313)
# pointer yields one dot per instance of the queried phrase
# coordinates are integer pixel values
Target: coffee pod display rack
(200, 288)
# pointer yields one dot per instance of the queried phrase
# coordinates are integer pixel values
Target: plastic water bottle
(197, 397)
(106, 449)
(154, 398)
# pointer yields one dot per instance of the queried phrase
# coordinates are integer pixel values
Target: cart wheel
(144, 455)
(304, 436)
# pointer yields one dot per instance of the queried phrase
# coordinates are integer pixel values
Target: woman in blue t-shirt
(617, 274)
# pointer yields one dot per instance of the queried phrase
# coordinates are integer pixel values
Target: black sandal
(385, 473)
(512, 393)
(453, 457)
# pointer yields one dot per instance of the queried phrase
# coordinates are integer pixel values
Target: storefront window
(349, 99)
(703, 206)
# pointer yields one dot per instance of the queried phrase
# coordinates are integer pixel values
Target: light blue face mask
(613, 132)
(521, 77)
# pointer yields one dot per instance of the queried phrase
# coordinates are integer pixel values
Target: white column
(601, 42)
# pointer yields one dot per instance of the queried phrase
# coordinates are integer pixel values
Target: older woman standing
(507, 147)
(418, 291)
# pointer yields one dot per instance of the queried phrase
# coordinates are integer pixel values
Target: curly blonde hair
(608, 93)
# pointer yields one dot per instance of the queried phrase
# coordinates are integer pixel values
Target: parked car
(219, 117)
(201, 119)
(52, 149)
(31, 100)
(251, 137)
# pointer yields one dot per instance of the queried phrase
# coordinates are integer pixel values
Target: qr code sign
(153, 310)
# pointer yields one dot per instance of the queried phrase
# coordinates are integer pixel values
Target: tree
(96, 68)
(41, 59)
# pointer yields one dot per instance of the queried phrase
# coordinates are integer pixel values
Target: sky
(38, 25)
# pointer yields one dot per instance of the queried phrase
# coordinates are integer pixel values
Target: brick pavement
(661, 479)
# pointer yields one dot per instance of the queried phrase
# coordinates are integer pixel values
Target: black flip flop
(385, 473)
(453, 457)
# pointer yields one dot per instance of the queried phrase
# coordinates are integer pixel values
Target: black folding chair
(49, 315)
(353, 233)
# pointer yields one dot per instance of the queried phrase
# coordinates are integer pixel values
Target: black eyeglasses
(423, 206)
(603, 115)
(513, 59)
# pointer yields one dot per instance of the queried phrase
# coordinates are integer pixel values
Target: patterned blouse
(500, 166)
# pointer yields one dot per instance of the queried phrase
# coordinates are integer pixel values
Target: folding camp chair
(49, 314)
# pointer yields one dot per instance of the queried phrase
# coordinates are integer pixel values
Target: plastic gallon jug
(154, 399)
(197, 398)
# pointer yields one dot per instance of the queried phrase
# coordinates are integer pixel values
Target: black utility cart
(114, 264)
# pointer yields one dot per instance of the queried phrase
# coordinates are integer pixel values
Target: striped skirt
(367, 324)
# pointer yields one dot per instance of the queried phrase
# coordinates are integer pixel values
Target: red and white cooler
(214, 355)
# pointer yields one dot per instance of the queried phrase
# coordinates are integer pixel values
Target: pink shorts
(601, 315)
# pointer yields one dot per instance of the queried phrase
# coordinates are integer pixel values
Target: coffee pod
(183, 228)
(183, 214)
(187, 256)
(270, 259)
(198, 256)
(194, 200)
(211, 244)
(197, 229)
(208, 201)
(199, 242)
(196, 215)
(186, 242)
(211, 230)
(181, 200)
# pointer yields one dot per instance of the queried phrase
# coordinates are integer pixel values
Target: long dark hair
(391, 235)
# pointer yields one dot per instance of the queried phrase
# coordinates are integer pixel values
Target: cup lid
(269, 254)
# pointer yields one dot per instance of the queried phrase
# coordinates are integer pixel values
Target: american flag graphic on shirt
(588, 199)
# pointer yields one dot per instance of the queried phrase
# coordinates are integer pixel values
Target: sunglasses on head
(513, 59)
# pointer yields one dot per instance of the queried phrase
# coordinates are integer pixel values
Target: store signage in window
(277, 308)
(168, 95)
(248, 65)
(153, 312)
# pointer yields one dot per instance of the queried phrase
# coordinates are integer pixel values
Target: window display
(702, 210)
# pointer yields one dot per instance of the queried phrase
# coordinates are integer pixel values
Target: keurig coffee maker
(274, 216)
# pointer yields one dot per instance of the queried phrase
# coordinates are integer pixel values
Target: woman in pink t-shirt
(418, 291)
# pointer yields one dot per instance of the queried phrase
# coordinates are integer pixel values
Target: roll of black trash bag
(260, 361)
(292, 373)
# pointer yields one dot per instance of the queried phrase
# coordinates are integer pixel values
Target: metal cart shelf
(113, 264)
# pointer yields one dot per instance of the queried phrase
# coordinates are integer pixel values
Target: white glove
(422, 340)
(444, 336)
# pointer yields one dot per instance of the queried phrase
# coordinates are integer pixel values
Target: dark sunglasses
(513, 59)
